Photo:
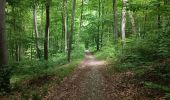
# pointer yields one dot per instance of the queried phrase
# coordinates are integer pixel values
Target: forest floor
(90, 81)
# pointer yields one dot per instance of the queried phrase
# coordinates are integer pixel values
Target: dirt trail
(91, 85)
(88, 82)
(85, 83)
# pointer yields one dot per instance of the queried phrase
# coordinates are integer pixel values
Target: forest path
(84, 84)
(90, 82)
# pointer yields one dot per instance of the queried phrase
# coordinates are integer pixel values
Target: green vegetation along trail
(89, 82)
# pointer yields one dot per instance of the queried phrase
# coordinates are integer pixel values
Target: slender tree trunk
(144, 23)
(158, 16)
(72, 30)
(81, 18)
(98, 34)
(17, 52)
(36, 31)
(62, 21)
(132, 20)
(46, 41)
(115, 33)
(123, 21)
(42, 26)
(165, 18)
(31, 53)
(65, 24)
(62, 43)
(16, 42)
(102, 26)
(32, 46)
(4, 76)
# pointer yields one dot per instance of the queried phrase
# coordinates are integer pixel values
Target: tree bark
(65, 24)
(32, 37)
(36, 31)
(62, 42)
(123, 21)
(3, 50)
(15, 45)
(17, 52)
(42, 17)
(98, 34)
(81, 18)
(4, 76)
(158, 16)
(132, 20)
(115, 33)
(102, 26)
(46, 41)
(72, 31)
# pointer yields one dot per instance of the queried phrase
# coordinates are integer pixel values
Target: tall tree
(46, 41)
(36, 29)
(4, 78)
(63, 28)
(81, 18)
(98, 34)
(72, 30)
(102, 26)
(158, 16)
(115, 33)
(132, 20)
(65, 24)
(123, 21)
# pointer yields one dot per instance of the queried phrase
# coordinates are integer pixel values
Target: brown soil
(91, 82)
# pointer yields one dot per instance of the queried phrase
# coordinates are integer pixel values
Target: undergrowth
(148, 57)
(35, 85)
(32, 79)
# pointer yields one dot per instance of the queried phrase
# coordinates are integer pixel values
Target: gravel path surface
(89, 82)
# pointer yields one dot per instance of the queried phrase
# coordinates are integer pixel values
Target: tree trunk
(72, 30)
(165, 23)
(17, 52)
(31, 45)
(46, 41)
(132, 20)
(4, 76)
(36, 31)
(81, 18)
(98, 34)
(15, 45)
(65, 24)
(62, 43)
(115, 33)
(42, 17)
(158, 16)
(123, 21)
(102, 26)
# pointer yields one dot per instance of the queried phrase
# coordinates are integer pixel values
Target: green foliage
(140, 51)
(156, 86)
(4, 80)
(36, 83)
(148, 57)
(150, 46)
(107, 52)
